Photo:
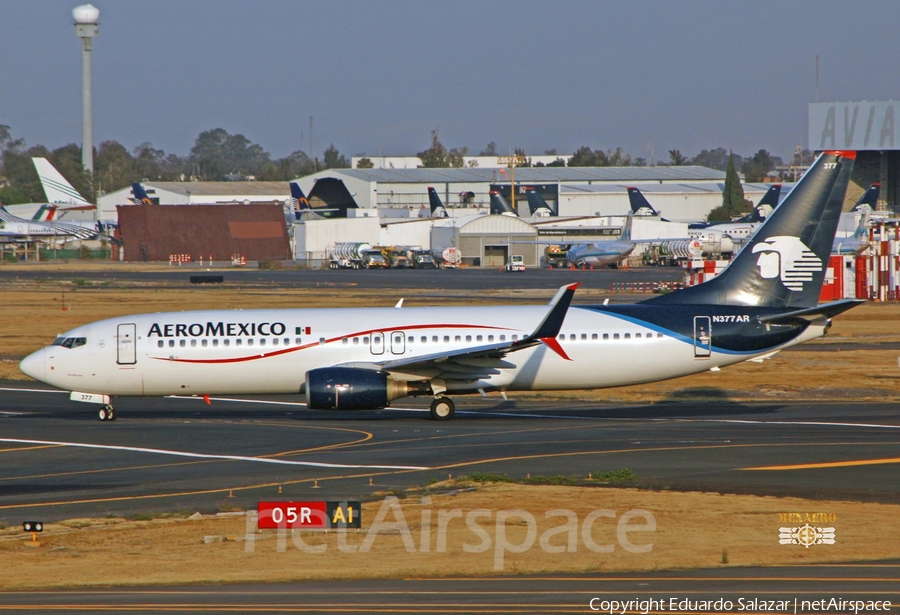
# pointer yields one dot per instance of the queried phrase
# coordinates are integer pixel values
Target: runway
(57, 461)
(749, 590)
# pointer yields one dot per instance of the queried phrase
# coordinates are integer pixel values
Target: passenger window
(356, 340)
(194, 343)
(204, 343)
(468, 338)
(446, 338)
(502, 338)
(262, 342)
(571, 337)
(584, 336)
(659, 334)
(287, 341)
(490, 338)
(594, 336)
(627, 336)
(182, 343)
(249, 341)
(171, 343)
(160, 343)
(615, 336)
(216, 343)
(637, 336)
(434, 339)
(457, 339)
(423, 339)
(478, 338)
(606, 336)
(344, 341)
(226, 342)
(275, 341)
(515, 337)
(299, 340)
(238, 342)
(366, 340)
(562, 337)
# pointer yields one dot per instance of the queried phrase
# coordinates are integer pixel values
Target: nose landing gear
(107, 413)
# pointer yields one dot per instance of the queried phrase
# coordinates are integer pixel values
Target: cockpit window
(70, 342)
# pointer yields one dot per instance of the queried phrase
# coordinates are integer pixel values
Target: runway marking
(27, 448)
(829, 464)
(817, 423)
(5, 413)
(105, 470)
(158, 451)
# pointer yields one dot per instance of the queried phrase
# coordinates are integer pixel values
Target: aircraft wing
(482, 361)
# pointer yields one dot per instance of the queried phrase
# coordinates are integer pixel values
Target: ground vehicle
(556, 256)
(421, 259)
(449, 258)
(356, 255)
(516, 263)
(396, 257)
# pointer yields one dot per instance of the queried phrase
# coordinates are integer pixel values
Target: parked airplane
(538, 206)
(603, 253)
(869, 199)
(500, 206)
(437, 206)
(855, 243)
(766, 205)
(61, 196)
(363, 358)
(640, 205)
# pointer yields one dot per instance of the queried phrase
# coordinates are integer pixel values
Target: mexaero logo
(789, 259)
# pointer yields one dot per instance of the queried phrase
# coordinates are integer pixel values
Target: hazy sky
(378, 76)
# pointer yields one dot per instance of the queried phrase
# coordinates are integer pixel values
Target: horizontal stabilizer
(826, 310)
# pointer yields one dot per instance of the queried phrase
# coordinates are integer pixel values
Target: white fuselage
(270, 351)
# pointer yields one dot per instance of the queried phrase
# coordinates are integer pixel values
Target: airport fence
(49, 254)
(644, 287)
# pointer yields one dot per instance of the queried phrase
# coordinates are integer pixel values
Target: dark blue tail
(140, 195)
(783, 264)
(766, 205)
(298, 200)
(870, 197)
(536, 203)
(437, 206)
(499, 206)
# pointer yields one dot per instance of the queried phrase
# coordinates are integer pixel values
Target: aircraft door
(377, 343)
(126, 344)
(398, 342)
(702, 337)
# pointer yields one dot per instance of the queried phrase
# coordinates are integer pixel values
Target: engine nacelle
(350, 388)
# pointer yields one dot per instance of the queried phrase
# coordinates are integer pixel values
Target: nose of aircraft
(33, 365)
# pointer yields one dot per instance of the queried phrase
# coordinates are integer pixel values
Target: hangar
(689, 192)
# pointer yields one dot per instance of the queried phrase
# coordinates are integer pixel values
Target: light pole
(87, 26)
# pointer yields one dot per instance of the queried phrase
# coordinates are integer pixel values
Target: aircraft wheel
(106, 413)
(442, 409)
(111, 414)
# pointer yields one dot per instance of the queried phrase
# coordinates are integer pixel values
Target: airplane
(603, 253)
(855, 243)
(766, 204)
(640, 205)
(538, 206)
(869, 199)
(437, 206)
(61, 196)
(499, 205)
(364, 358)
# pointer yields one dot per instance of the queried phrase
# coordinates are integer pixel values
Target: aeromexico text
(217, 329)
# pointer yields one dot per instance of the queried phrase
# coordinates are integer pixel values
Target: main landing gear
(107, 413)
(442, 409)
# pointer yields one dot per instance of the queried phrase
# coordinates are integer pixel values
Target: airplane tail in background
(56, 187)
(766, 204)
(537, 204)
(437, 206)
(783, 264)
(626, 231)
(140, 195)
(499, 206)
(299, 202)
(639, 203)
(869, 198)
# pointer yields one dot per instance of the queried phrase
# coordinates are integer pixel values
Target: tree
(733, 201)
(676, 158)
(334, 159)
(757, 168)
(114, 167)
(585, 157)
(217, 154)
(456, 157)
(365, 163)
(490, 150)
(618, 158)
(715, 158)
(436, 155)
(559, 162)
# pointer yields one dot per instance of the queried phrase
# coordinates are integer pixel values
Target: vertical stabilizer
(499, 206)
(626, 231)
(140, 195)
(437, 206)
(537, 204)
(56, 187)
(639, 203)
(783, 264)
(869, 198)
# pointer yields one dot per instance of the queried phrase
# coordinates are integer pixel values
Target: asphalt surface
(748, 590)
(47, 472)
(448, 279)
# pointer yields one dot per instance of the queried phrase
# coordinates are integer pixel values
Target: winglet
(547, 331)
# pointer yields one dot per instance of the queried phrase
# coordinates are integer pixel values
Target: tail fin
(45, 213)
(56, 187)
(299, 202)
(140, 195)
(499, 206)
(783, 264)
(862, 230)
(869, 197)
(537, 204)
(766, 205)
(626, 231)
(437, 207)
(639, 203)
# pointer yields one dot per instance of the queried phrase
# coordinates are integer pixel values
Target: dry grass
(692, 530)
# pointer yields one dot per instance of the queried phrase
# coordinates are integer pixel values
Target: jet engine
(350, 388)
